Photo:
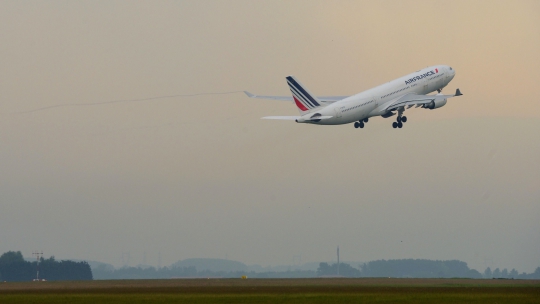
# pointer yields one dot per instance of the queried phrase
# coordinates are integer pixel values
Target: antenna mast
(38, 255)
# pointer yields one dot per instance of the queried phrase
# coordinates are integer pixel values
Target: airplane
(385, 100)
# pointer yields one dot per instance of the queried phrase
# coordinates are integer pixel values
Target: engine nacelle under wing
(435, 104)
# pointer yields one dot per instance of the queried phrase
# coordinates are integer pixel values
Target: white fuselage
(373, 101)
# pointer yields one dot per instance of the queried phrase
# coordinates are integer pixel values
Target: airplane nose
(451, 71)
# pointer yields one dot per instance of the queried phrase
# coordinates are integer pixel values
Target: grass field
(328, 290)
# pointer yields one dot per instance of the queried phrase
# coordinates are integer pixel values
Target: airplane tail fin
(304, 100)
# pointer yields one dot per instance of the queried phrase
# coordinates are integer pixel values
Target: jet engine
(435, 104)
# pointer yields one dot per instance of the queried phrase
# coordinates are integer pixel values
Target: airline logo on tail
(303, 99)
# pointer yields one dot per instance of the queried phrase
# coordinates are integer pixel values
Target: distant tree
(324, 269)
(11, 257)
(496, 273)
(513, 274)
(102, 272)
(410, 268)
(473, 274)
(14, 268)
(535, 274)
(53, 270)
(488, 274)
(345, 270)
(504, 273)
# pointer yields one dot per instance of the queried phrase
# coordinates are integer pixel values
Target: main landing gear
(360, 124)
(399, 122)
(400, 118)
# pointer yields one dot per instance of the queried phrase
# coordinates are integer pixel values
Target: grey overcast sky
(204, 176)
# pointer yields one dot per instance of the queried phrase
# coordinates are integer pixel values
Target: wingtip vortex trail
(124, 100)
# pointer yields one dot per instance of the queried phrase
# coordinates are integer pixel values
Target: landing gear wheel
(400, 125)
(404, 119)
(361, 124)
(356, 125)
(394, 125)
(366, 119)
(399, 119)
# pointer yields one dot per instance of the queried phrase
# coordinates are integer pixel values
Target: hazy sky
(206, 177)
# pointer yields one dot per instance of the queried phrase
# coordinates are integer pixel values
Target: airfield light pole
(38, 257)
(338, 260)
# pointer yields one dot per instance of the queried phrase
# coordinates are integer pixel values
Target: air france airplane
(385, 100)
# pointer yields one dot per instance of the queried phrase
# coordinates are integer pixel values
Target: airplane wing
(282, 117)
(299, 118)
(414, 99)
(328, 99)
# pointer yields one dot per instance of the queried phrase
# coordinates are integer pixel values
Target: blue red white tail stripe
(301, 97)
(300, 105)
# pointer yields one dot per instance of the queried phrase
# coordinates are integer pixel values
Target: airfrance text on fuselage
(419, 77)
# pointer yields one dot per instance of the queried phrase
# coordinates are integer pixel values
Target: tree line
(405, 268)
(13, 267)
(103, 272)
(512, 274)
(411, 268)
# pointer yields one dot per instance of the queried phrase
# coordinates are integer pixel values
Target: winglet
(458, 92)
(250, 95)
